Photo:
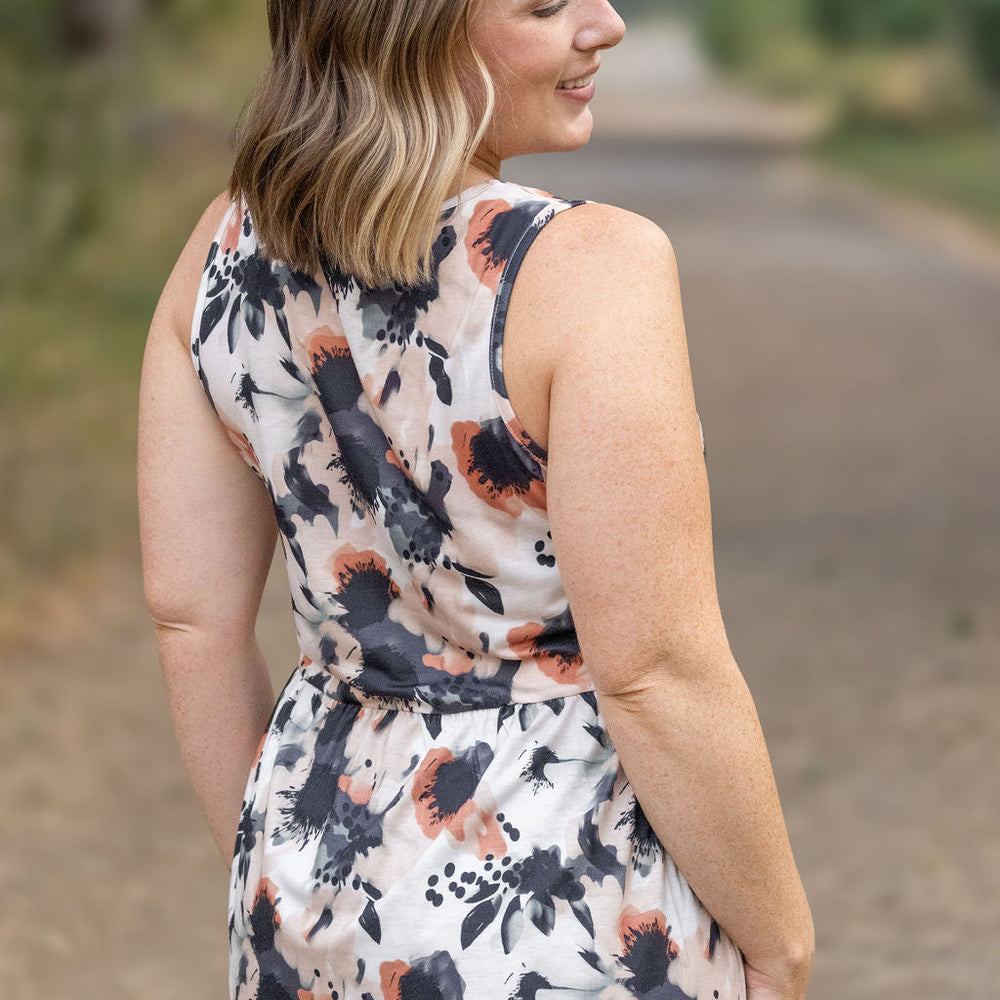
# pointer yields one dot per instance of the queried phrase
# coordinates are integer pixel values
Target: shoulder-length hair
(368, 113)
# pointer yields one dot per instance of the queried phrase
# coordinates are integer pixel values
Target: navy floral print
(436, 809)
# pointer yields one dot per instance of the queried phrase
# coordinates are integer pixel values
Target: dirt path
(845, 362)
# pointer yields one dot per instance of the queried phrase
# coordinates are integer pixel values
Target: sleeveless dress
(436, 809)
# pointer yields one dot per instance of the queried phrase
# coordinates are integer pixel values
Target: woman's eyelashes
(553, 10)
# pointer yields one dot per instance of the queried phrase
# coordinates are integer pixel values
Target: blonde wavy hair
(352, 139)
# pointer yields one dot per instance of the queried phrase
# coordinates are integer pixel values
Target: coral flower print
(444, 787)
(436, 804)
(488, 460)
(484, 263)
(553, 644)
(434, 977)
(647, 951)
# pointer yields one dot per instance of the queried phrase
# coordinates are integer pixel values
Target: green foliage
(956, 168)
(725, 26)
(925, 88)
(854, 22)
(741, 34)
(27, 27)
(982, 21)
(107, 159)
(71, 130)
(734, 30)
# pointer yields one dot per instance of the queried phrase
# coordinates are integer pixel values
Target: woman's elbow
(632, 672)
(181, 610)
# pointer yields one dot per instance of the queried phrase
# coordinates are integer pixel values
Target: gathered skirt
(476, 855)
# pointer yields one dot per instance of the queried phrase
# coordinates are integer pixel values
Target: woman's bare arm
(208, 535)
(629, 509)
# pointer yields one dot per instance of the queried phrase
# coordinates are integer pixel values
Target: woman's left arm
(208, 534)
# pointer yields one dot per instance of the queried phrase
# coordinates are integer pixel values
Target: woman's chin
(580, 139)
(578, 135)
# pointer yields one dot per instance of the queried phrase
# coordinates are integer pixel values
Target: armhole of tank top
(498, 322)
(194, 334)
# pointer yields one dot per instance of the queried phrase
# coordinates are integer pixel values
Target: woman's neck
(483, 166)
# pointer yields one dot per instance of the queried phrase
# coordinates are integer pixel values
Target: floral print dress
(436, 810)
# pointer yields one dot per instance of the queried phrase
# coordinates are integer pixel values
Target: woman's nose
(603, 31)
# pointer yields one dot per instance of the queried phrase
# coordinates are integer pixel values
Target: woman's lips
(580, 94)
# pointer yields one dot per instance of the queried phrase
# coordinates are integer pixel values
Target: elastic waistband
(333, 689)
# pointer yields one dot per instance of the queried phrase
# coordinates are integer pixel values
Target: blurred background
(829, 174)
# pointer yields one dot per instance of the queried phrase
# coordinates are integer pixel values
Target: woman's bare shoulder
(589, 267)
(591, 272)
(177, 301)
(599, 232)
(596, 252)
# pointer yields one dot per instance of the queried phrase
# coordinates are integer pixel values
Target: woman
(463, 790)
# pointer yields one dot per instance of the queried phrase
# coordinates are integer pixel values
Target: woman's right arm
(629, 509)
(208, 534)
